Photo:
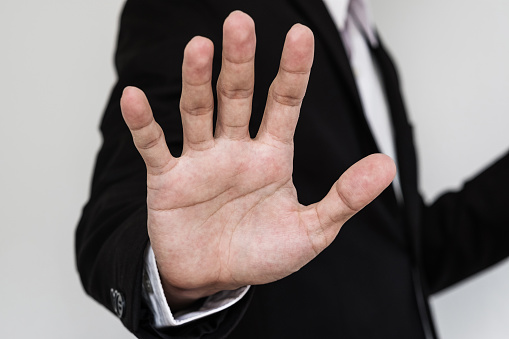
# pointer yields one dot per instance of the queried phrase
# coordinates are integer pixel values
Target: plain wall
(56, 72)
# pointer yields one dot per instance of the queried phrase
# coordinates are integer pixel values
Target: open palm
(225, 214)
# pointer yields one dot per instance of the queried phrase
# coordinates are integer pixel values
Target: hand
(225, 214)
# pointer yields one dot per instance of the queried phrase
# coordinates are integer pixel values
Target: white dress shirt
(354, 20)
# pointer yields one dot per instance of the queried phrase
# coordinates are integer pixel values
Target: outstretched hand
(225, 214)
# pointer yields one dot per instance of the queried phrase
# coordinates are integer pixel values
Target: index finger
(288, 88)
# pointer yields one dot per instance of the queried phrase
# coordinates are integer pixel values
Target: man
(225, 214)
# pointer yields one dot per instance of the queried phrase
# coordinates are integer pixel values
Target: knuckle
(286, 99)
(234, 93)
(151, 139)
(197, 110)
(347, 202)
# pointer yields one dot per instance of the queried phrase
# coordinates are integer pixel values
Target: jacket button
(118, 302)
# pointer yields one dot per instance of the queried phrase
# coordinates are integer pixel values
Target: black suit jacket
(374, 280)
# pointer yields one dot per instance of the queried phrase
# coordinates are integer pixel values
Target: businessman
(233, 192)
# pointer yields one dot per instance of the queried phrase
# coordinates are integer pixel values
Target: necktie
(358, 15)
(358, 37)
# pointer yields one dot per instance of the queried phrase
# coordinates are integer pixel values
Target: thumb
(356, 188)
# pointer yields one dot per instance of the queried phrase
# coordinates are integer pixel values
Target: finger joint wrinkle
(346, 202)
(151, 142)
(237, 93)
(286, 99)
(198, 110)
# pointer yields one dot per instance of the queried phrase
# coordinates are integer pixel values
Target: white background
(55, 75)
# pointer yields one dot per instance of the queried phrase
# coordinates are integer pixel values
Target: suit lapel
(325, 29)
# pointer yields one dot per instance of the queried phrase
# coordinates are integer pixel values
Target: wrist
(181, 298)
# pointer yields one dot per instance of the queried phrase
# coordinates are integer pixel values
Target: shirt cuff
(153, 294)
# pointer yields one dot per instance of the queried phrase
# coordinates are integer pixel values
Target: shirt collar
(338, 10)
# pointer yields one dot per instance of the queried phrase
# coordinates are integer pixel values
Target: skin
(225, 213)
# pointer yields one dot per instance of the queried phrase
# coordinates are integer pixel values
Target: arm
(467, 231)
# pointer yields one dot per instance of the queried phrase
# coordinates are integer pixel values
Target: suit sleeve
(112, 234)
(467, 231)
